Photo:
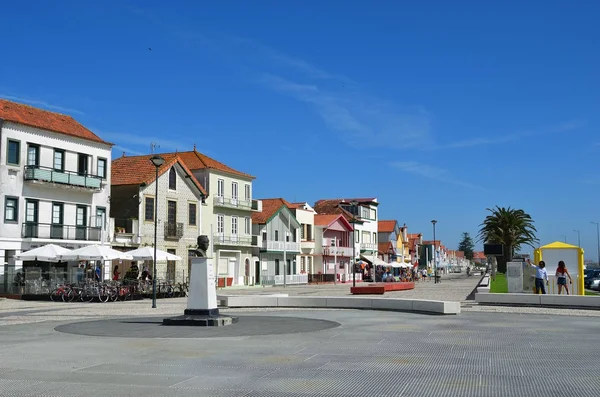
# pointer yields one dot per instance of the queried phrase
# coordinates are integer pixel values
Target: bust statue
(203, 243)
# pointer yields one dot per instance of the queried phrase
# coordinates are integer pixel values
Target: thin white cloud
(363, 120)
(497, 140)
(127, 151)
(41, 103)
(434, 173)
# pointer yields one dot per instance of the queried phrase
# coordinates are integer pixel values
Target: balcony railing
(126, 231)
(232, 202)
(231, 239)
(339, 251)
(367, 246)
(173, 230)
(271, 245)
(60, 232)
(47, 174)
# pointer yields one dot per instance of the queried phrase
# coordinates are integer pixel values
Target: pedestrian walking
(561, 277)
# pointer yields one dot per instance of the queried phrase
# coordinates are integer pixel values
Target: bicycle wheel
(68, 295)
(56, 295)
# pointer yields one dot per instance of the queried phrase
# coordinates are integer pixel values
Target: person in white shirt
(541, 275)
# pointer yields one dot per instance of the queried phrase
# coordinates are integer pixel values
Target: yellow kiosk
(573, 258)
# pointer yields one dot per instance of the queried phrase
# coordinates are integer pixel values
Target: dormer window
(172, 179)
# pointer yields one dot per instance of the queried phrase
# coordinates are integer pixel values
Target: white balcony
(270, 245)
(339, 251)
(307, 245)
(368, 246)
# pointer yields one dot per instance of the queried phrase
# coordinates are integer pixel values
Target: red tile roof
(478, 255)
(326, 220)
(385, 248)
(269, 208)
(45, 120)
(135, 170)
(331, 207)
(430, 242)
(386, 226)
(460, 254)
(196, 161)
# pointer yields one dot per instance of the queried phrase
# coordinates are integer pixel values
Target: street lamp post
(435, 274)
(353, 206)
(598, 237)
(578, 238)
(157, 161)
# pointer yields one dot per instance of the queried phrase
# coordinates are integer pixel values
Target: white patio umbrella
(147, 254)
(45, 253)
(94, 253)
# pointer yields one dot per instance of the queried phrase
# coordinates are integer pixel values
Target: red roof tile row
(45, 120)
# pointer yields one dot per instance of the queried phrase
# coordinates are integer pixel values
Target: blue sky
(437, 109)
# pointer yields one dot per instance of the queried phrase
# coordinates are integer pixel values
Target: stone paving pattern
(484, 351)
(370, 354)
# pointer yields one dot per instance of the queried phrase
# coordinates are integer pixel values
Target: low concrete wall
(566, 301)
(340, 302)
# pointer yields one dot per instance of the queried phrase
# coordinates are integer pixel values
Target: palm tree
(510, 227)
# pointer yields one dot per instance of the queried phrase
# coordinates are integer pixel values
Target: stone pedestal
(202, 307)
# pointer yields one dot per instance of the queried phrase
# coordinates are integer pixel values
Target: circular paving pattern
(151, 327)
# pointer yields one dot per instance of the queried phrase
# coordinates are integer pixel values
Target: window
(100, 217)
(276, 235)
(247, 225)
(309, 235)
(13, 155)
(101, 169)
(247, 192)
(192, 214)
(33, 155)
(11, 209)
(220, 188)
(374, 214)
(171, 266)
(287, 237)
(234, 225)
(59, 160)
(302, 231)
(57, 213)
(149, 209)
(374, 238)
(220, 223)
(172, 179)
(277, 267)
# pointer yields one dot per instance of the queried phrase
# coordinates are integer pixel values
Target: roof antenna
(123, 153)
(194, 146)
(153, 146)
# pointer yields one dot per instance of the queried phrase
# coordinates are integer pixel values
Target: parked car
(589, 278)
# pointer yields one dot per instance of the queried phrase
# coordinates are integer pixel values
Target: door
(234, 193)
(56, 230)
(172, 217)
(99, 223)
(171, 266)
(82, 164)
(234, 229)
(31, 219)
(81, 223)
(33, 155)
(256, 272)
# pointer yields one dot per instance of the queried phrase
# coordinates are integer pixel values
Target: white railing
(271, 245)
(290, 279)
(339, 251)
(367, 246)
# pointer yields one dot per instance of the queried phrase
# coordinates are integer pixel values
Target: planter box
(221, 282)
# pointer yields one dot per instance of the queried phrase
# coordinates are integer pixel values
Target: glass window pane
(58, 160)
(14, 147)
(149, 210)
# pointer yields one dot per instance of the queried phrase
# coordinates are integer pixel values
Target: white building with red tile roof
(54, 185)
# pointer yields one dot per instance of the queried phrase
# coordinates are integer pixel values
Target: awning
(379, 262)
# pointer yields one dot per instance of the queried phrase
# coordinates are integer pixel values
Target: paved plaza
(120, 349)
